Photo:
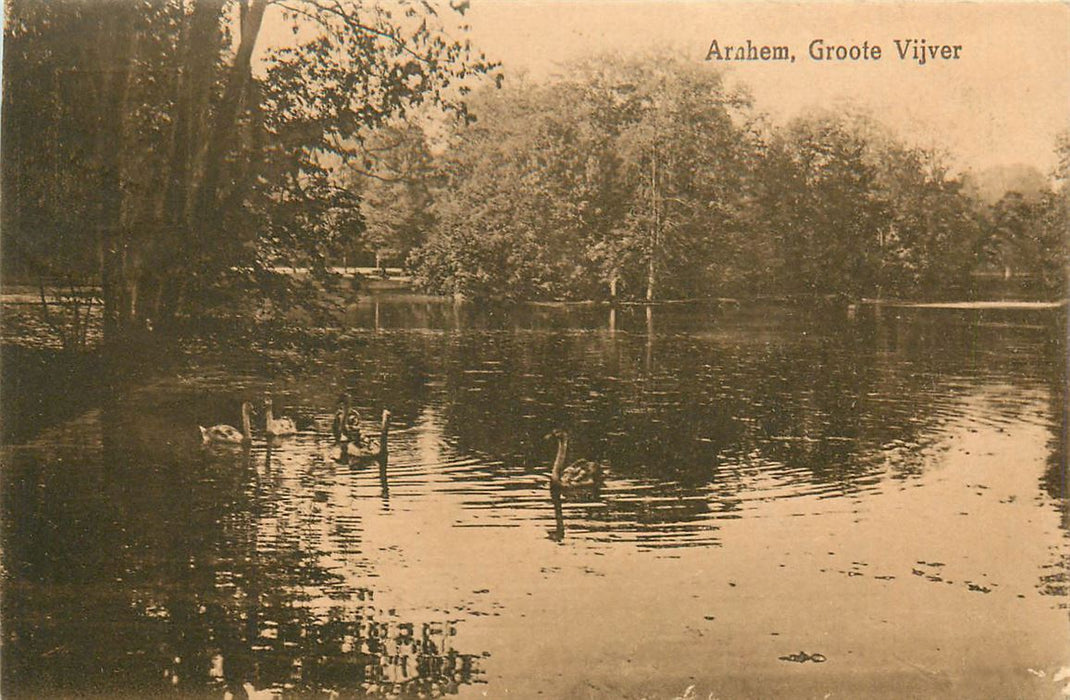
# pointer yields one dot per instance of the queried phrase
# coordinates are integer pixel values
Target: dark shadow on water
(139, 564)
(44, 387)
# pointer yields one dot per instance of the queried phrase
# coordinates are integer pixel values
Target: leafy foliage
(396, 195)
(648, 179)
(178, 176)
(590, 185)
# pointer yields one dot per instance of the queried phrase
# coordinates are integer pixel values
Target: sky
(1002, 102)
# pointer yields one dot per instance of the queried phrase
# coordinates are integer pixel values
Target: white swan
(226, 434)
(277, 427)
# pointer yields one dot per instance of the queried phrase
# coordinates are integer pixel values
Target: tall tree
(835, 220)
(186, 147)
(685, 161)
(396, 199)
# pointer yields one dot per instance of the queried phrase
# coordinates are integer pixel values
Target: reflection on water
(895, 466)
(204, 568)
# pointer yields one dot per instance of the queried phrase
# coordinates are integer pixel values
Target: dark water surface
(796, 505)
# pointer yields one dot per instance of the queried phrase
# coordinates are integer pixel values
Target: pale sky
(1002, 102)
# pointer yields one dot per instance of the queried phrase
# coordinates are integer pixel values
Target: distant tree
(832, 216)
(1062, 167)
(990, 184)
(1055, 222)
(1052, 242)
(684, 168)
(502, 221)
(396, 192)
(1030, 236)
(932, 224)
(854, 212)
(1029, 233)
(647, 179)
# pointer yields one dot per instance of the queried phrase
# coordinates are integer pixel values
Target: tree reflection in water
(163, 568)
(291, 614)
(350, 652)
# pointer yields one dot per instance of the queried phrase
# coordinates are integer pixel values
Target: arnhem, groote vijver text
(919, 51)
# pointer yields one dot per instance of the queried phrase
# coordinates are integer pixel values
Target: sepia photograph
(578, 349)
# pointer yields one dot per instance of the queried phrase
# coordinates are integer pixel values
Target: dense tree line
(649, 180)
(142, 151)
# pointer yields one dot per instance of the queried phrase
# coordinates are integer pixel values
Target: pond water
(795, 505)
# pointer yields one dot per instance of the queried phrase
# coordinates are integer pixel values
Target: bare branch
(353, 23)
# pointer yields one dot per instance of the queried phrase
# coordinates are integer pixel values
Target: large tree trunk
(207, 213)
(201, 179)
(201, 42)
(655, 232)
(201, 39)
(116, 65)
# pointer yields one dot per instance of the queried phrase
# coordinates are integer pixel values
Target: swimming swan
(277, 427)
(369, 447)
(226, 434)
(346, 424)
(581, 473)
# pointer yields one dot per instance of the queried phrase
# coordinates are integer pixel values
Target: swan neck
(269, 418)
(559, 461)
(246, 422)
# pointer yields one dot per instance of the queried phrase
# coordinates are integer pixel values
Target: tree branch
(353, 23)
